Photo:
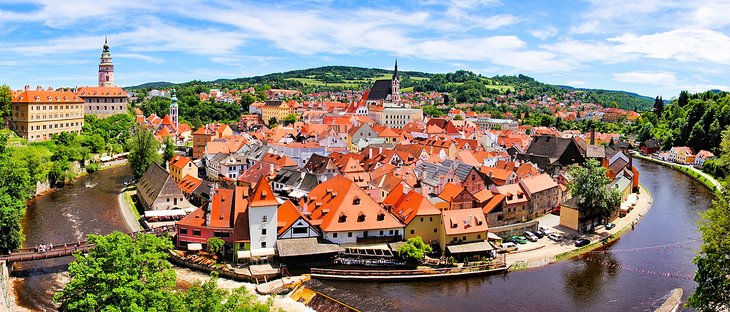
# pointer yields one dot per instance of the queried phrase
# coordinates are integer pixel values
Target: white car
(509, 246)
(546, 230)
(555, 237)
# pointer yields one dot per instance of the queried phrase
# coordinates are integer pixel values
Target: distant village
(357, 173)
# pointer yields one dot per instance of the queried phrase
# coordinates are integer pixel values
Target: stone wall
(506, 231)
(5, 287)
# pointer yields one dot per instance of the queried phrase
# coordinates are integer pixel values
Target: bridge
(63, 250)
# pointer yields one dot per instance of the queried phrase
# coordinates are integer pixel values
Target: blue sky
(652, 47)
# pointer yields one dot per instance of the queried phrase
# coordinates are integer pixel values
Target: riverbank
(545, 251)
(698, 175)
(129, 211)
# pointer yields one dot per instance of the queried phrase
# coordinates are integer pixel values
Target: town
(289, 181)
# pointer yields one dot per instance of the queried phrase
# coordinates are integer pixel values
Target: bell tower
(395, 86)
(173, 110)
(106, 68)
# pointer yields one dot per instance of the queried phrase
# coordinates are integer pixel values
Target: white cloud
(545, 33)
(586, 52)
(139, 56)
(576, 83)
(651, 78)
(680, 44)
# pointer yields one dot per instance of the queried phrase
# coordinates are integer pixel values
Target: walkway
(708, 177)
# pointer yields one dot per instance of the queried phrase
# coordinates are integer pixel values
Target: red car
(556, 211)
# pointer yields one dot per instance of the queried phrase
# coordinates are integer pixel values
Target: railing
(433, 271)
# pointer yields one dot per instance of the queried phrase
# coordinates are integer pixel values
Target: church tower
(173, 110)
(106, 68)
(395, 86)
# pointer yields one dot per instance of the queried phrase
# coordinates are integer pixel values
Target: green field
(310, 80)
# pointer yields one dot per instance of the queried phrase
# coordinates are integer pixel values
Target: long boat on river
(408, 275)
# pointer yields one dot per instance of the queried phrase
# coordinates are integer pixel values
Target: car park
(517, 239)
(610, 225)
(545, 230)
(539, 233)
(530, 236)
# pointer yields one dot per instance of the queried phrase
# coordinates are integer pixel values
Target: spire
(106, 44)
(395, 72)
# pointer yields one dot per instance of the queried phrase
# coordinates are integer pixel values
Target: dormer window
(342, 219)
(264, 219)
(356, 201)
(361, 217)
(381, 216)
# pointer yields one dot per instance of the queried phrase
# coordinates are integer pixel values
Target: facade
(420, 216)
(156, 190)
(462, 226)
(262, 216)
(181, 166)
(106, 68)
(299, 152)
(103, 102)
(37, 115)
(544, 194)
(499, 124)
(208, 133)
(581, 220)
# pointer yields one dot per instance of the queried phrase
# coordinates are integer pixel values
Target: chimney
(271, 169)
(39, 88)
(370, 153)
(593, 136)
(631, 161)
(470, 219)
(50, 88)
(27, 87)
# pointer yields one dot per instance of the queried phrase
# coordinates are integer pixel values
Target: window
(342, 219)
(184, 231)
(196, 232)
(430, 219)
(222, 234)
(361, 218)
(381, 216)
(413, 232)
(263, 231)
(421, 221)
(300, 230)
(263, 219)
(390, 232)
(397, 232)
(334, 235)
(464, 238)
(381, 233)
(263, 244)
(479, 236)
(435, 230)
(349, 234)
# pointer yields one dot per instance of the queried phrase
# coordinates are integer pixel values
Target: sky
(651, 47)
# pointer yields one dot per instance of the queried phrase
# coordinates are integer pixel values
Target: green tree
(142, 150)
(209, 297)
(6, 97)
(713, 261)
(121, 274)
(169, 150)
(272, 122)
(414, 250)
(458, 117)
(290, 119)
(590, 186)
(96, 143)
(11, 214)
(16, 180)
(214, 245)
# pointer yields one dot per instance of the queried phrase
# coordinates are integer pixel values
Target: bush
(414, 250)
(93, 167)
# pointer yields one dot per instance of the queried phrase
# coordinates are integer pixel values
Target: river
(573, 285)
(90, 206)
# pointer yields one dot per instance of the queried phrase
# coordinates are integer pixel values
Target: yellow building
(181, 166)
(419, 215)
(462, 226)
(38, 114)
(277, 110)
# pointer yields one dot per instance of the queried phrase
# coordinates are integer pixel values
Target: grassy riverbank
(691, 172)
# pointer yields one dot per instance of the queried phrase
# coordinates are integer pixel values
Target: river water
(635, 280)
(91, 206)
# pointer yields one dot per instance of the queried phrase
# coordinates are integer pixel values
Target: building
(462, 226)
(682, 155)
(649, 146)
(498, 124)
(277, 110)
(385, 106)
(582, 220)
(208, 133)
(544, 194)
(181, 166)
(39, 114)
(552, 154)
(156, 190)
(346, 214)
(421, 217)
(702, 156)
(105, 99)
(262, 216)
(106, 68)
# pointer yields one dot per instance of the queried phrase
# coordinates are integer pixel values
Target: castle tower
(106, 68)
(173, 109)
(395, 85)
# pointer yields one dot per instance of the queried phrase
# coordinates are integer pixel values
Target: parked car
(530, 236)
(555, 237)
(556, 211)
(582, 242)
(517, 239)
(509, 246)
(539, 233)
(545, 230)
(610, 225)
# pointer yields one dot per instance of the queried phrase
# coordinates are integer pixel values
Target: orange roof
(101, 92)
(499, 176)
(189, 183)
(538, 183)
(450, 191)
(179, 161)
(262, 195)
(464, 221)
(493, 202)
(286, 215)
(279, 160)
(411, 205)
(220, 212)
(343, 206)
(513, 192)
(40, 96)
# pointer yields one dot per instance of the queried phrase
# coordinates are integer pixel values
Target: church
(106, 99)
(384, 104)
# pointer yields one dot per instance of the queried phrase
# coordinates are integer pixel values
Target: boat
(408, 275)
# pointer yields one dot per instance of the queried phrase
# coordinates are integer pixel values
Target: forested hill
(463, 86)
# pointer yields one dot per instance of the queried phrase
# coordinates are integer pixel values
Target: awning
(492, 236)
(164, 213)
(243, 254)
(195, 246)
(105, 158)
(470, 247)
(262, 252)
(293, 247)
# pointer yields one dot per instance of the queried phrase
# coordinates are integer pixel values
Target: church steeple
(173, 109)
(106, 68)
(395, 86)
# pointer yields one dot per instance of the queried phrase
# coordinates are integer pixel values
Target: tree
(6, 97)
(11, 214)
(713, 261)
(683, 99)
(142, 150)
(169, 151)
(272, 122)
(96, 143)
(209, 297)
(590, 187)
(414, 250)
(214, 245)
(121, 274)
(458, 117)
(290, 119)
(658, 106)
